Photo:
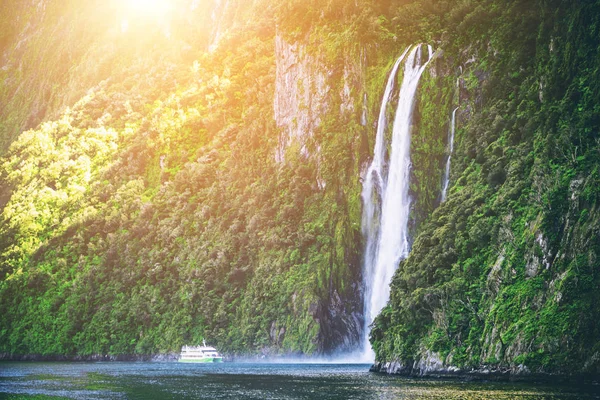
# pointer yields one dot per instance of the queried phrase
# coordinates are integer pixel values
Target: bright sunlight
(136, 12)
(155, 8)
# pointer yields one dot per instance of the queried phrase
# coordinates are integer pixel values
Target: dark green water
(45, 381)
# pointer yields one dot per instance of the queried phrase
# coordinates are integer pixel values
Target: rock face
(429, 364)
(301, 92)
(503, 276)
(230, 207)
(217, 18)
(279, 275)
(307, 90)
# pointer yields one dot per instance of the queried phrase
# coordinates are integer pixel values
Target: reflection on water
(51, 381)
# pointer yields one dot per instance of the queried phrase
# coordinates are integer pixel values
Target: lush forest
(180, 170)
(505, 274)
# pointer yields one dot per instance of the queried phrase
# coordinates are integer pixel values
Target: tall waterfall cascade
(385, 194)
(446, 182)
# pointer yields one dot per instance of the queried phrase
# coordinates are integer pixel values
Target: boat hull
(202, 360)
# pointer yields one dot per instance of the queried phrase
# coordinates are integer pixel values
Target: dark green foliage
(153, 212)
(505, 272)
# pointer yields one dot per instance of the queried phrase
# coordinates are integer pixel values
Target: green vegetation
(143, 206)
(506, 272)
(153, 212)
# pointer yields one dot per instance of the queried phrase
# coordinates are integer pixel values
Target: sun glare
(137, 13)
(154, 8)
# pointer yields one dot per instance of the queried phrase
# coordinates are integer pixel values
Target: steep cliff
(195, 171)
(170, 203)
(504, 274)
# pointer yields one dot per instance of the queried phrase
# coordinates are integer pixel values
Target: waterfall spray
(386, 197)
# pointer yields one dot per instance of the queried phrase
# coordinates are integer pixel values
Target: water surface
(150, 381)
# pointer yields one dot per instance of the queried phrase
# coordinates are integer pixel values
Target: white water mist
(385, 196)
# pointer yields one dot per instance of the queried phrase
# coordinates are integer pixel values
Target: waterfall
(451, 150)
(386, 201)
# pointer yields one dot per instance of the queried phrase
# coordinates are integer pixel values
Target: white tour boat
(199, 354)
